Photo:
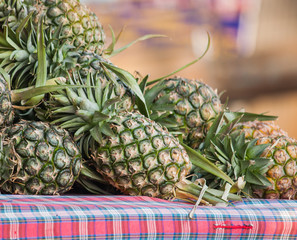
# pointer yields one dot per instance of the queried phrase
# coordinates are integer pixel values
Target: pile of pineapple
(68, 115)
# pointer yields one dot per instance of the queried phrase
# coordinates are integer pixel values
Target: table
(127, 217)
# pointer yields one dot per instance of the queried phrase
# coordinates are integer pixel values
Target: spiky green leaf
(257, 179)
(99, 117)
(131, 82)
(247, 116)
(200, 161)
(256, 151)
(143, 38)
(96, 133)
(142, 84)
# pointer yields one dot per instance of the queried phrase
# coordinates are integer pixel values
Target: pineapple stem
(186, 189)
(85, 171)
(87, 179)
(204, 188)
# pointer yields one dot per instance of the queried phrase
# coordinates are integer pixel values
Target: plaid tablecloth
(123, 217)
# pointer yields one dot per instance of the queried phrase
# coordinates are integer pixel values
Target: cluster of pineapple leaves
(229, 150)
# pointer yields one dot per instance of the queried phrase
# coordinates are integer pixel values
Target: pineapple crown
(20, 48)
(162, 108)
(231, 153)
(83, 109)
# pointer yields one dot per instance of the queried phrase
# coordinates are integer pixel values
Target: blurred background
(253, 53)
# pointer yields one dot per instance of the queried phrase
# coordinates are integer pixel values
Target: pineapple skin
(196, 105)
(282, 153)
(258, 129)
(6, 109)
(39, 159)
(143, 158)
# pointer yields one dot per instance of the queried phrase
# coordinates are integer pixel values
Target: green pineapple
(66, 28)
(76, 24)
(91, 113)
(37, 158)
(68, 36)
(142, 158)
(183, 105)
(6, 109)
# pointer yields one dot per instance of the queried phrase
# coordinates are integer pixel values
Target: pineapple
(142, 158)
(68, 28)
(84, 111)
(183, 105)
(6, 110)
(37, 158)
(76, 24)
